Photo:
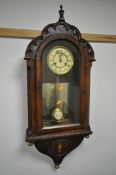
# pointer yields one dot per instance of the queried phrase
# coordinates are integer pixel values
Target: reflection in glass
(59, 96)
(61, 93)
(54, 95)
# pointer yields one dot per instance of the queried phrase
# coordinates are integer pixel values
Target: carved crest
(59, 27)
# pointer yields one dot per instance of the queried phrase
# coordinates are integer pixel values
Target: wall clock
(58, 82)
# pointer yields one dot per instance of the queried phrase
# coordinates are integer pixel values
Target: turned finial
(61, 13)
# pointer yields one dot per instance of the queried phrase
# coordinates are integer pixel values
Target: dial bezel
(55, 70)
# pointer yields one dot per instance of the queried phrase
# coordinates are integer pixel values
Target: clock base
(57, 149)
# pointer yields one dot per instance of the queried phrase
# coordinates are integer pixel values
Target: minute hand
(60, 56)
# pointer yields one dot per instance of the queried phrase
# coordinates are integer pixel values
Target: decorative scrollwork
(56, 28)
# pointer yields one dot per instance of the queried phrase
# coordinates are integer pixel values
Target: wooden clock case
(57, 142)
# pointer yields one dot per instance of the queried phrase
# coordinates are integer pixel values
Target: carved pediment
(60, 27)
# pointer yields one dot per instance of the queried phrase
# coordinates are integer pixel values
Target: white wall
(96, 155)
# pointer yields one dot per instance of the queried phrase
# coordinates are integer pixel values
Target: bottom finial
(57, 166)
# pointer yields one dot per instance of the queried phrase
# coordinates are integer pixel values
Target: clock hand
(60, 56)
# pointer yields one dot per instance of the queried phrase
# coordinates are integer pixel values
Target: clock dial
(60, 60)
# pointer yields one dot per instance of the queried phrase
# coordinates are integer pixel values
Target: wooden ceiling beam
(29, 34)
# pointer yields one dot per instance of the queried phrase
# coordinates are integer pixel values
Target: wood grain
(19, 33)
(99, 37)
(29, 34)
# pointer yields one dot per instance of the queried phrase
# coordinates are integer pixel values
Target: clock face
(60, 60)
